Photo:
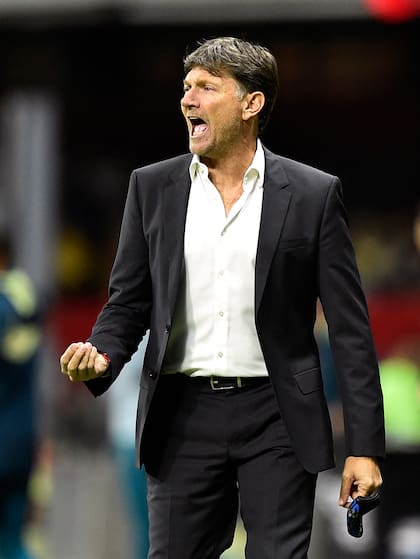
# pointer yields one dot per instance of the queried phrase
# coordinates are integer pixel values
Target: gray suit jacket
(304, 252)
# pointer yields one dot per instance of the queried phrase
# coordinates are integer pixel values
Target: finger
(67, 355)
(83, 364)
(92, 358)
(73, 364)
(345, 491)
(368, 484)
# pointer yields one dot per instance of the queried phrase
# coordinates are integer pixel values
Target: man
(223, 255)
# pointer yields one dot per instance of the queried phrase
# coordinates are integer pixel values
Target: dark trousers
(205, 451)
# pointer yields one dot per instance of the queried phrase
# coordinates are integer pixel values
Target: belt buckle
(214, 387)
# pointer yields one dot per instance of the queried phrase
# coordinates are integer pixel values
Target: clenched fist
(81, 361)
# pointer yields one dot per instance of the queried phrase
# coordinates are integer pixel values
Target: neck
(227, 172)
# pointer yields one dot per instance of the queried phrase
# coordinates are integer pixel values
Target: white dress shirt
(214, 330)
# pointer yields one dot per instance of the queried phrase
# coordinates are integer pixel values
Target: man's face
(213, 110)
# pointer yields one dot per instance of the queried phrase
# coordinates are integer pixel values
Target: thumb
(345, 490)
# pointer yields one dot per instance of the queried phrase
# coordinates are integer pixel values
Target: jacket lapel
(175, 203)
(276, 200)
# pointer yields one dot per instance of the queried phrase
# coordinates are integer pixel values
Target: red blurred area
(394, 10)
(71, 319)
(395, 317)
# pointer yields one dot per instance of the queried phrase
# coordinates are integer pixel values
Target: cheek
(230, 122)
(226, 117)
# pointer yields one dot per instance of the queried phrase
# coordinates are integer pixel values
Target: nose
(189, 99)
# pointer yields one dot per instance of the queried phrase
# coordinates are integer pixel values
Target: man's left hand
(361, 477)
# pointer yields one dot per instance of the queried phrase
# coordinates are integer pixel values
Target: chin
(200, 146)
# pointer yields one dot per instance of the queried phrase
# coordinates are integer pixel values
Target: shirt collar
(255, 170)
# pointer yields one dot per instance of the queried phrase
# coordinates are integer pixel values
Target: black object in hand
(359, 507)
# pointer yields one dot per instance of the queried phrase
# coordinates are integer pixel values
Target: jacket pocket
(309, 381)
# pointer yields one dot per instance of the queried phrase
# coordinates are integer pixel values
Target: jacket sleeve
(350, 335)
(125, 317)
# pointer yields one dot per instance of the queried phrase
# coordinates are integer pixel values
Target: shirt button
(220, 354)
(221, 313)
(221, 273)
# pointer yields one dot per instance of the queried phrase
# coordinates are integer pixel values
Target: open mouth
(198, 126)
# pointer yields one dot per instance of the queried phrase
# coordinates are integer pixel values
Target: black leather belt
(228, 383)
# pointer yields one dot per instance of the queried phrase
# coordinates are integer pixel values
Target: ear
(253, 104)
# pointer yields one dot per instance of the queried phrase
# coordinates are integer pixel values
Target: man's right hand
(81, 361)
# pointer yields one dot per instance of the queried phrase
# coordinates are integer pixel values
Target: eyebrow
(201, 81)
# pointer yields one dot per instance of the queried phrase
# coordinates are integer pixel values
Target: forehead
(198, 74)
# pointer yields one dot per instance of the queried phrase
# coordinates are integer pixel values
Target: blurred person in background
(19, 344)
(223, 254)
(122, 406)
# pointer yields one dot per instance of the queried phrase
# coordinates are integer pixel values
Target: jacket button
(152, 374)
(167, 328)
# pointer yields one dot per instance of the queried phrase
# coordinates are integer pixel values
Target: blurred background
(89, 90)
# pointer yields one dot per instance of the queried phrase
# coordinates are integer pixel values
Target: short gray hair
(251, 65)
